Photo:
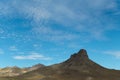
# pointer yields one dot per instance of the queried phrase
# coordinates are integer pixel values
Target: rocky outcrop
(80, 61)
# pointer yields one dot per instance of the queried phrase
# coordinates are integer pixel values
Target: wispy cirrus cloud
(13, 48)
(31, 56)
(53, 34)
(113, 53)
(89, 22)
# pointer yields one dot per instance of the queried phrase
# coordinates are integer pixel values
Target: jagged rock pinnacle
(82, 54)
(80, 61)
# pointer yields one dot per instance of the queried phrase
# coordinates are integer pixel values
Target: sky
(49, 31)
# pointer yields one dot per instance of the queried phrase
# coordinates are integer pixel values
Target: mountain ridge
(80, 60)
(77, 67)
(16, 71)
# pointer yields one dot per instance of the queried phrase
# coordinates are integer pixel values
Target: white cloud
(32, 56)
(114, 53)
(13, 48)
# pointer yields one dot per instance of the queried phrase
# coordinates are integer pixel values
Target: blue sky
(49, 31)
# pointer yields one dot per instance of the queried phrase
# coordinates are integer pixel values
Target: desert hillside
(77, 67)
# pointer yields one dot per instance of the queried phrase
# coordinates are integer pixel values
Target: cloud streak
(113, 53)
(32, 56)
(13, 48)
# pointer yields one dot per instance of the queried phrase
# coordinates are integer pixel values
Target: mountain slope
(16, 71)
(77, 67)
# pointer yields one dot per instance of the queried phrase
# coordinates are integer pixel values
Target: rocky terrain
(77, 67)
(16, 71)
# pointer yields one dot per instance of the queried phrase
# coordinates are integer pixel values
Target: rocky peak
(81, 55)
(80, 61)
